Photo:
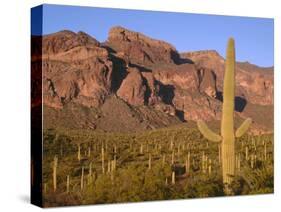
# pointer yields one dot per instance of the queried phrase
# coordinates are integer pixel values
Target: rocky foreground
(132, 82)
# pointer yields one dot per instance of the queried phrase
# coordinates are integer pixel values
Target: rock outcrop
(141, 49)
(207, 82)
(253, 83)
(133, 89)
(64, 41)
(75, 68)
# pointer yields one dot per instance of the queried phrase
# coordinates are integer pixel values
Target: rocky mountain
(132, 82)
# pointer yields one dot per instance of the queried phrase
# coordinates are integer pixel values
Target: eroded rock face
(132, 89)
(252, 82)
(75, 68)
(181, 76)
(257, 87)
(207, 83)
(152, 88)
(209, 59)
(64, 41)
(140, 48)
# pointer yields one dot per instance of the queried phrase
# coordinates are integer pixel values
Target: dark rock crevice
(240, 102)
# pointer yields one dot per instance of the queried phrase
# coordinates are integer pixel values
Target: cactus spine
(227, 137)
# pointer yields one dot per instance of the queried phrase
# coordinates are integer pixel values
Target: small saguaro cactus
(210, 166)
(265, 152)
(55, 165)
(149, 162)
(247, 153)
(112, 166)
(238, 162)
(89, 152)
(204, 162)
(82, 179)
(219, 150)
(78, 152)
(227, 137)
(172, 143)
(173, 158)
(163, 160)
(173, 178)
(61, 150)
(252, 161)
(141, 149)
(115, 149)
(187, 163)
(102, 160)
(108, 166)
(67, 183)
(115, 162)
(90, 177)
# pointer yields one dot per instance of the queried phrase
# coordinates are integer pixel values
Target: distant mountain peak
(140, 48)
(211, 53)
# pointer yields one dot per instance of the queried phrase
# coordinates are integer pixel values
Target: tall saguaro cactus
(227, 137)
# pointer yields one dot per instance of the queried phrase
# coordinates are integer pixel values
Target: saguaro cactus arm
(207, 133)
(243, 128)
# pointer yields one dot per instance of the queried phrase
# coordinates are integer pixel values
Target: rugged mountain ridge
(147, 75)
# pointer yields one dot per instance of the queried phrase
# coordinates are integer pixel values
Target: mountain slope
(132, 82)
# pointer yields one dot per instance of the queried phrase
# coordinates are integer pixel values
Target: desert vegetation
(90, 167)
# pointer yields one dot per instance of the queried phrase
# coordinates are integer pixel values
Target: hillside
(133, 82)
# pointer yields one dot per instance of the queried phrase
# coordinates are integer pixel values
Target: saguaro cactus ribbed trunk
(227, 137)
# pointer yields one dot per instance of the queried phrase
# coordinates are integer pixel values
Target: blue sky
(254, 37)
